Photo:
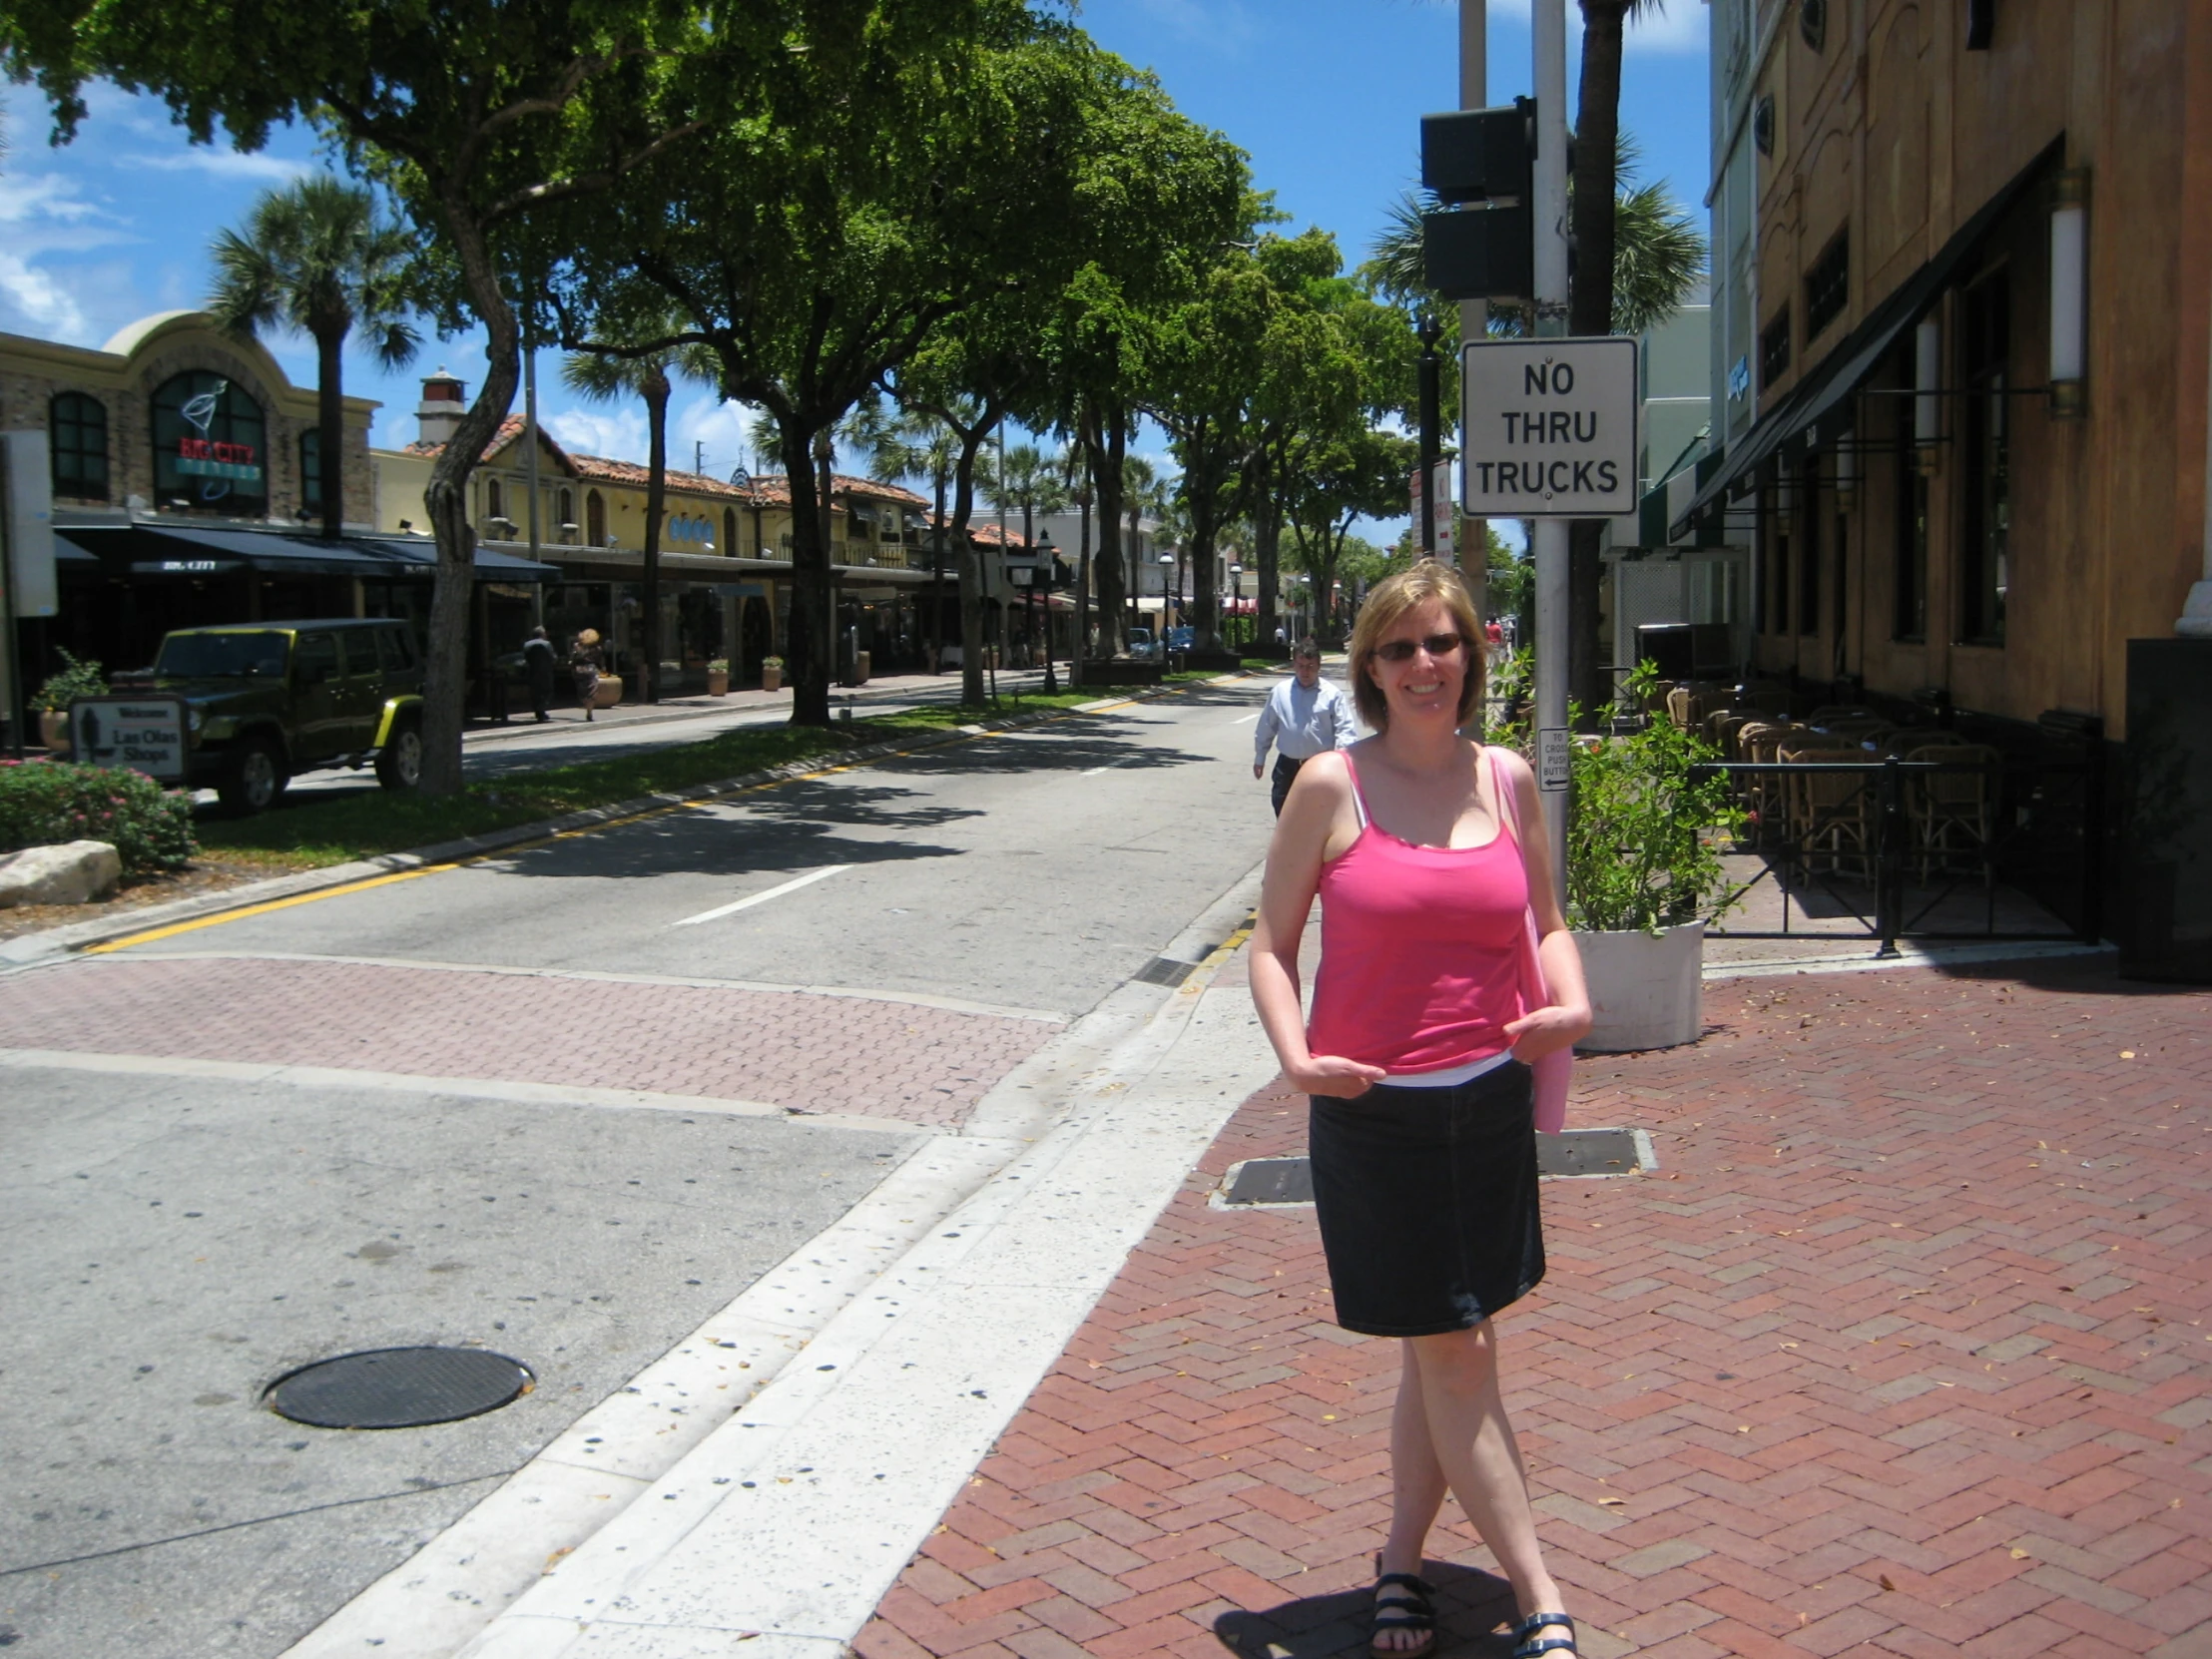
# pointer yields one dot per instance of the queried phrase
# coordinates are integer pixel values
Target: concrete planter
(718, 682)
(53, 730)
(772, 679)
(1644, 989)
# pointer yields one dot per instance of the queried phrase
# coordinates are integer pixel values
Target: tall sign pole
(1551, 534)
(1474, 315)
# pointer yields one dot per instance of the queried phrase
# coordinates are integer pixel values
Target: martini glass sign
(215, 462)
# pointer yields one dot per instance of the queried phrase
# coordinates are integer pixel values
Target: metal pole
(10, 640)
(1551, 534)
(1474, 315)
(1431, 443)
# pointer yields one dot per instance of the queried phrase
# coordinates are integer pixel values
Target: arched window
(310, 469)
(77, 430)
(595, 520)
(495, 500)
(729, 532)
(210, 445)
(564, 504)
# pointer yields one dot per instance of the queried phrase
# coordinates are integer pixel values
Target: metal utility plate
(1578, 1152)
(398, 1388)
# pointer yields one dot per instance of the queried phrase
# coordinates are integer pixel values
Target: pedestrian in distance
(538, 659)
(1304, 716)
(1421, 1128)
(583, 663)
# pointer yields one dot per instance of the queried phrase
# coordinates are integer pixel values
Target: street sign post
(1548, 427)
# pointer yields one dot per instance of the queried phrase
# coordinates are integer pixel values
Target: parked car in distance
(1181, 639)
(265, 702)
(1142, 646)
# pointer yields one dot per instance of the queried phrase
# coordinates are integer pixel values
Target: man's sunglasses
(1436, 645)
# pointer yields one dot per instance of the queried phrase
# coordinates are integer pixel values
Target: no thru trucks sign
(1548, 428)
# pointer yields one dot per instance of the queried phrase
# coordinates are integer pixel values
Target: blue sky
(1325, 95)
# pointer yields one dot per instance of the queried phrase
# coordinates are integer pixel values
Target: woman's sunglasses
(1436, 645)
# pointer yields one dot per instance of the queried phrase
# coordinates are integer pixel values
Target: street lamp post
(1041, 576)
(1166, 559)
(1236, 591)
(1431, 438)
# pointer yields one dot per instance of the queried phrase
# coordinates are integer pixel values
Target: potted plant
(1644, 872)
(76, 679)
(771, 674)
(718, 677)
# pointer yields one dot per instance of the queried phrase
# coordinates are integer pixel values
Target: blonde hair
(1392, 599)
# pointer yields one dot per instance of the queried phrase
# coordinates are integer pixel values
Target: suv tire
(399, 761)
(255, 779)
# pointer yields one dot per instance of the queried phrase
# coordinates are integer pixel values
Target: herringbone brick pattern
(1903, 1351)
(807, 1053)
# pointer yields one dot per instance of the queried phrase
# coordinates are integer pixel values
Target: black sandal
(1420, 1615)
(1529, 1647)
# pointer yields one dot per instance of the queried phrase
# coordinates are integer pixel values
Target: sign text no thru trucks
(1549, 428)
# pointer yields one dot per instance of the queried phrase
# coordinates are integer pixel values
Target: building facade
(1963, 310)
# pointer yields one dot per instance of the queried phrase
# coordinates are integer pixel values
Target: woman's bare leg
(1417, 1489)
(1471, 1440)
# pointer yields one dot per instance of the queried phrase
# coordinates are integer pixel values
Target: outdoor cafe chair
(1760, 743)
(1953, 813)
(1767, 697)
(1832, 817)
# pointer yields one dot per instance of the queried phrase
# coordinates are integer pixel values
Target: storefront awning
(1826, 385)
(178, 549)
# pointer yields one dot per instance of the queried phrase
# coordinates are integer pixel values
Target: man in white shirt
(1303, 715)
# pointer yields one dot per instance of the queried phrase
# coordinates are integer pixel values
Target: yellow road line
(171, 931)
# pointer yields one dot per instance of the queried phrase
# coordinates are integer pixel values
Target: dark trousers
(1285, 769)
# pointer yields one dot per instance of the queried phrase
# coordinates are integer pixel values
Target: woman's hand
(1332, 1074)
(1547, 1030)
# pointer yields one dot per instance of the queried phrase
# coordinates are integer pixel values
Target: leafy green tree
(317, 256)
(919, 446)
(484, 117)
(607, 373)
(1360, 474)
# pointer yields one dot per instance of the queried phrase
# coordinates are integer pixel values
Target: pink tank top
(1420, 948)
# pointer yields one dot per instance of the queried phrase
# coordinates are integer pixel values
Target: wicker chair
(1953, 813)
(1832, 816)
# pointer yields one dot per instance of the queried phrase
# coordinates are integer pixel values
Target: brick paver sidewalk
(797, 1049)
(1903, 1351)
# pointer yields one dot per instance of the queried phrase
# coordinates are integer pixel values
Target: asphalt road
(178, 1240)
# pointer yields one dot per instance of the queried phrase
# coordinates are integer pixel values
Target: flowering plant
(46, 802)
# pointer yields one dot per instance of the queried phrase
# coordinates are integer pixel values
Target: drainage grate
(398, 1388)
(1164, 970)
(1578, 1152)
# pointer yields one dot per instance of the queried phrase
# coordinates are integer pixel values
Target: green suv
(265, 702)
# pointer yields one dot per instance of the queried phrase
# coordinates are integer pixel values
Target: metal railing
(1889, 845)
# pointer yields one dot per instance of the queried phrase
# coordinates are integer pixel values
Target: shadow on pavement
(1473, 1610)
(1063, 746)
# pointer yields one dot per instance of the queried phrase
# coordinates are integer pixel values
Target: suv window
(315, 660)
(222, 657)
(395, 648)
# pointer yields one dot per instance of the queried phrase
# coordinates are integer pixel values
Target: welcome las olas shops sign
(1547, 428)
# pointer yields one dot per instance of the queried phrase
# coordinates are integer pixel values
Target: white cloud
(722, 427)
(41, 300)
(1222, 23)
(1682, 27)
(616, 434)
(222, 164)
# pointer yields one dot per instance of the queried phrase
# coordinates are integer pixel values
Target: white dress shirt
(1302, 722)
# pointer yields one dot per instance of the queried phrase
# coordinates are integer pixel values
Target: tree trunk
(656, 500)
(972, 566)
(806, 655)
(1105, 443)
(329, 345)
(445, 499)
(1590, 305)
(1267, 542)
(937, 577)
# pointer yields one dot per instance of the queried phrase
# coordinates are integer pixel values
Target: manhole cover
(1583, 1152)
(398, 1388)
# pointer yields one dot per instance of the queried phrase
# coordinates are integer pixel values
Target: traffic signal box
(1481, 164)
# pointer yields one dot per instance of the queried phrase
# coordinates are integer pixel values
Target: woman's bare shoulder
(1510, 763)
(1328, 772)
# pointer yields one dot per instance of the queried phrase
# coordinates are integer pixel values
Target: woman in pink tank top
(1422, 1134)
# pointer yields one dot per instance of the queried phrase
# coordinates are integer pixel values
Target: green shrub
(46, 802)
(77, 678)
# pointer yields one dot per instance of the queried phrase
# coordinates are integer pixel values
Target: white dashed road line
(761, 897)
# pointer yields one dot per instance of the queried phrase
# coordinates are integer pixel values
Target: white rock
(76, 872)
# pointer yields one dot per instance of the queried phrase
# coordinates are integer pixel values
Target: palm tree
(1030, 479)
(606, 374)
(318, 258)
(1145, 494)
(918, 444)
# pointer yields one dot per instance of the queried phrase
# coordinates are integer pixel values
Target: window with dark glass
(595, 520)
(1775, 528)
(1774, 348)
(564, 507)
(1809, 547)
(1985, 445)
(1827, 286)
(310, 469)
(210, 446)
(729, 532)
(77, 439)
(1812, 23)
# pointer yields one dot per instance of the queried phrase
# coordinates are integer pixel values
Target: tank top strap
(1359, 799)
(1501, 790)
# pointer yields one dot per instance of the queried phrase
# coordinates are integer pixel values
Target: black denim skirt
(1427, 1203)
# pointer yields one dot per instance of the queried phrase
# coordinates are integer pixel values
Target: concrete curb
(33, 949)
